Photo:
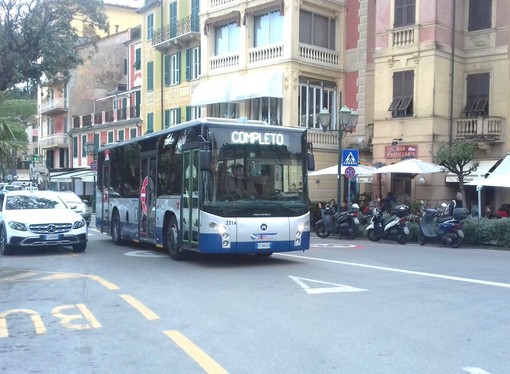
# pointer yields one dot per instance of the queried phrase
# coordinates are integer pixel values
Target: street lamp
(90, 149)
(347, 122)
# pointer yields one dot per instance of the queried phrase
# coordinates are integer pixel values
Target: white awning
(84, 175)
(210, 92)
(266, 84)
(483, 168)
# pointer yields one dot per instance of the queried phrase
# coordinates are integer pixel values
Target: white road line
(431, 275)
(472, 370)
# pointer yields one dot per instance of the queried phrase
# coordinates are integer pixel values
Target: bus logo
(263, 227)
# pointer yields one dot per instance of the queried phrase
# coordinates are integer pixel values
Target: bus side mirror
(205, 160)
(310, 161)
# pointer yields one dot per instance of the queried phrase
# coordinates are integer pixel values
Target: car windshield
(33, 201)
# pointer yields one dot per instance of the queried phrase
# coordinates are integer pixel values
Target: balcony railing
(265, 53)
(490, 129)
(183, 30)
(217, 3)
(225, 61)
(55, 140)
(319, 55)
(54, 106)
(404, 36)
(323, 140)
(104, 117)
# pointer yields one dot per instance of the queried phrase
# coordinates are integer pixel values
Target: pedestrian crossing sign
(350, 157)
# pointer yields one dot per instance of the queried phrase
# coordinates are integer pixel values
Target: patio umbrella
(502, 180)
(333, 170)
(410, 166)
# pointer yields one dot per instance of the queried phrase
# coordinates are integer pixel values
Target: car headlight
(79, 224)
(17, 226)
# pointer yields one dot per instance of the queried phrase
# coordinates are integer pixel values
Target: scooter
(394, 228)
(447, 230)
(344, 223)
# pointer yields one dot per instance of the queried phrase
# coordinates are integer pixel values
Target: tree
(455, 157)
(37, 38)
(14, 115)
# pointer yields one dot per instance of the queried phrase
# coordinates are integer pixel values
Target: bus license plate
(263, 245)
(51, 237)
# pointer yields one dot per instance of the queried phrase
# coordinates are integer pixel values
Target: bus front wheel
(172, 240)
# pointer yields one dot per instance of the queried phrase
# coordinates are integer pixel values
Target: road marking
(334, 246)
(318, 290)
(145, 254)
(18, 277)
(144, 311)
(431, 275)
(199, 356)
(473, 370)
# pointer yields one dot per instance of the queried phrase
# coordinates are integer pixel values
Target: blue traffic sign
(350, 157)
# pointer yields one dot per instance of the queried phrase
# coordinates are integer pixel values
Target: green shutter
(167, 70)
(188, 113)
(75, 146)
(188, 64)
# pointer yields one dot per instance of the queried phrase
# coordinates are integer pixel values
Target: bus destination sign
(266, 138)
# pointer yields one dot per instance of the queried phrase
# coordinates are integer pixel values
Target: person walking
(388, 202)
(455, 203)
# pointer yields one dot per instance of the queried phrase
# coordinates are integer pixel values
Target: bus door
(104, 199)
(147, 199)
(190, 212)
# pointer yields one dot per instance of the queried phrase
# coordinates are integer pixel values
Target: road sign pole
(340, 174)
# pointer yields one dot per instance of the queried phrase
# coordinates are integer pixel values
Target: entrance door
(147, 206)
(190, 207)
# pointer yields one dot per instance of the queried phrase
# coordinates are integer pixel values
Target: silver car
(76, 204)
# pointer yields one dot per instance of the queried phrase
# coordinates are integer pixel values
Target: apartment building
(441, 72)
(99, 104)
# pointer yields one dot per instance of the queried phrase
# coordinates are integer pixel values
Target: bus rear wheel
(172, 240)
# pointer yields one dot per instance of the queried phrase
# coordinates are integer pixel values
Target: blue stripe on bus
(211, 243)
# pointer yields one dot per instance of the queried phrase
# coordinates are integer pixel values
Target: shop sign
(401, 151)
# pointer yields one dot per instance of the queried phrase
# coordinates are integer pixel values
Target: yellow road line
(199, 356)
(144, 311)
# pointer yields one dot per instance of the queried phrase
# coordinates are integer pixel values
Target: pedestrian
(455, 203)
(332, 206)
(388, 202)
(343, 206)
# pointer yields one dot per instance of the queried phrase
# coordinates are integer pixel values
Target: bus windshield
(256, 174)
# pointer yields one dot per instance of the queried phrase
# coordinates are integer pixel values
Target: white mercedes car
(31, 219)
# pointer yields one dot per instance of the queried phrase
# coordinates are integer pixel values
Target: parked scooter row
(434, 225)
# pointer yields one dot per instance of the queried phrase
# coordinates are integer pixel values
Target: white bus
(211, 185)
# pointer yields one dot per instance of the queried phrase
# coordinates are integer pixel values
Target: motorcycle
(393, 228)
(346, 224)
(447, 230)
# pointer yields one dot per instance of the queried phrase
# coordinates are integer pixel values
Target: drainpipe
(161, 77)
(452, 71)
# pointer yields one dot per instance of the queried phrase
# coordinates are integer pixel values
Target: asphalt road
(341, 307)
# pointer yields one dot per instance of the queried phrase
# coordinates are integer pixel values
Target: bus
(210, 185)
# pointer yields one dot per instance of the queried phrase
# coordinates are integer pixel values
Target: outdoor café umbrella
(410, 166)
(501, 180)
(333, 170)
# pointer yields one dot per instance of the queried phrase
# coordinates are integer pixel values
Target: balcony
(54, 141)
(106, 117)
(266, 53)
(228, 61)
(219, 3)
(54, 106)
(319, 56)
(481, 129)
(323, 140)
(177, 35)
(404, 36)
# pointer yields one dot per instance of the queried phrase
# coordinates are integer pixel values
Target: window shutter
(188, 113)
(178, 116)
(188, 64)
(178, 68)
(167, 70)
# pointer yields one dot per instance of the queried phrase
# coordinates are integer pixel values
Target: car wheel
(3, 242)
(171, 238)
(116, 228)
(80, 247)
